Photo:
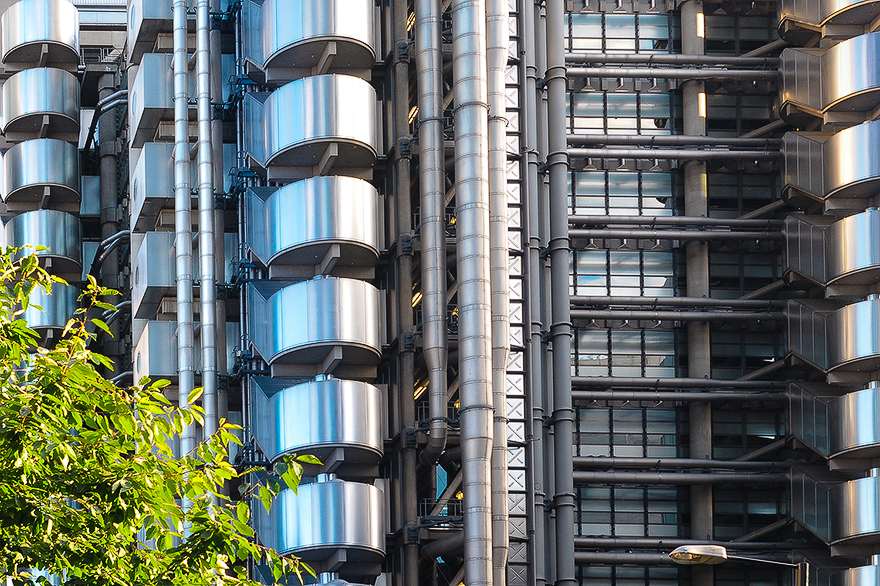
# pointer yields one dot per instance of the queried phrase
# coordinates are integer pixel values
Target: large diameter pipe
(702, 222)
(560, 328)
(649, 234)
(673, 73)
(432, 174)
(474, 298)
(600, 382)
(619, 301)
(664, 59)
(675, 315)
(671, 140)
(677, 478)
(498, 38)
(673, 154)
(588, 396)
(207, 268)
(183, 223)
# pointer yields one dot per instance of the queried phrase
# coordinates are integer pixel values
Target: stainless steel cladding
(318, 417)
(302, 37)
(324, 224)
(154, 275)
(322, 326)
(39, 33)
(844, 339)
(146, 19)
(853, 511)
(853, 337)
(351, 519)
(315, 124)
(850, 167)
(819, 13)
(39, 103)
(854, 424)
(60, 232)
(155, 348)
(853, 249)
(150, 98)
(850, 78)
(57, 307)
(42, 171)
(861, 576)
(834, 79)
(152, 184)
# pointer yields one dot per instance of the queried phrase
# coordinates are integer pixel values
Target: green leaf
(195, 394)
(101, 324)
(309, 459)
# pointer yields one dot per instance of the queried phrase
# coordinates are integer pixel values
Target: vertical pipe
(207, 280)
(109, 201)
(534, 346)
(560, 328)
(697, 271)
(219, 215)
(432, 175)
(183, 223)
(402, 231)
(498, 38)
(474, 299)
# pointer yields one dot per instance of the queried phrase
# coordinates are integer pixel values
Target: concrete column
(697, 271)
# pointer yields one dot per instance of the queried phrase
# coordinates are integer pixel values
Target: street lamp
(689, 555)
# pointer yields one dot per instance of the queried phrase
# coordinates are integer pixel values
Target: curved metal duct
(60, 232)
(304, 118)
(861, 576)
(39, 103)
(318, 417)
(833, 79)
(321, 326)
(849, 169)
(847, 82)
(853, 512)
(854, 424)
(825, 12)
(40, 32)
(853, 339)
(57, 307)
(352, 519)
(45, 170)
(302, 37)
(328, 224)
(852, 248)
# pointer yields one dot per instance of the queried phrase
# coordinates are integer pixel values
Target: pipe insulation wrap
(474, 298)
(498, 39)
(208, 282)
(183, 223)
(432, 176)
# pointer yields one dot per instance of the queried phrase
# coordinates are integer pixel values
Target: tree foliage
(90, 490)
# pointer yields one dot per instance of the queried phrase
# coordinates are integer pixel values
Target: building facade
(550, 287)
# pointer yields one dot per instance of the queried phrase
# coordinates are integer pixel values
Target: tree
(89, 488)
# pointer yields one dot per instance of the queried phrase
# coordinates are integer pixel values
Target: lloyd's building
(552, 287)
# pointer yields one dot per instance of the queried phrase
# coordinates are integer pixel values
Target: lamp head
(699, 554)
